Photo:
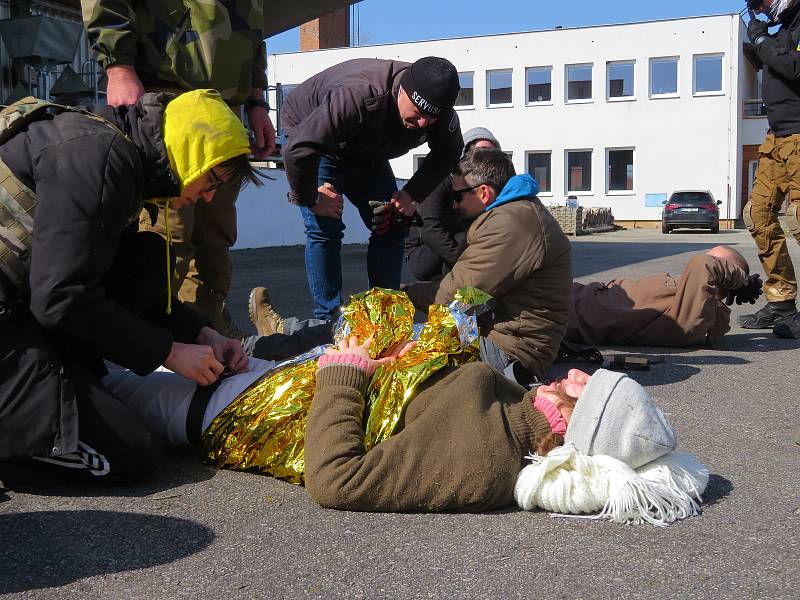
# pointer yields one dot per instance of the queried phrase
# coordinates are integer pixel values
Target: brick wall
(329, 31)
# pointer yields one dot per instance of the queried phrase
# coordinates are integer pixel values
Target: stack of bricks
(580, 221)
(570, 219)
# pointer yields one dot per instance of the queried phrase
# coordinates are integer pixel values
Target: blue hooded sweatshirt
(517, 188)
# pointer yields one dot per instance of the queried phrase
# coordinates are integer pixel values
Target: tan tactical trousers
(202, 236)
(777, 178)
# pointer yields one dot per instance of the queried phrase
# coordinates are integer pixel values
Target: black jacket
(349, 111)
(90, 184)
(442, 230)
(781, 82)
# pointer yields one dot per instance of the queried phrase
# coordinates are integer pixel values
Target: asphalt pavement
(196, 532)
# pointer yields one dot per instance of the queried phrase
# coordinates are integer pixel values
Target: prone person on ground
(517, 253)
(84, 285)
(431, 462)
(687, 309)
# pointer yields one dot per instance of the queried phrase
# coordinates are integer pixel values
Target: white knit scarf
(569, 483)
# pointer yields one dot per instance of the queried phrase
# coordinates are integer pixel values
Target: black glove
(381, 216)
(757, 31)
(386, 216)
(747, 293)
(484, 314)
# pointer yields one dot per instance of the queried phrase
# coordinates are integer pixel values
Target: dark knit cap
(432, 85)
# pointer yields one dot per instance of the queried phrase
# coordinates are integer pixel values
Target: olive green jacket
(459, 445)
(184, 44)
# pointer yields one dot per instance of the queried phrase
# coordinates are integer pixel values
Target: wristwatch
(251, 102)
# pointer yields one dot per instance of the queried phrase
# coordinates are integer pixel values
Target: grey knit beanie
(479, 133)
(616, 417)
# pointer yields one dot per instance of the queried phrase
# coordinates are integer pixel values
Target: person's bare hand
(124, 86)
(331, 203)
(194, 361)
(400, 349)
(226, 350)
(404, 204)
(261, 126)
(352, 346)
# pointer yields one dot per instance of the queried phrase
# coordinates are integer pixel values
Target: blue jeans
(506, 364)
(359, 183)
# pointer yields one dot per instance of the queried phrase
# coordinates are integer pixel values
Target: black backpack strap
(197, 410)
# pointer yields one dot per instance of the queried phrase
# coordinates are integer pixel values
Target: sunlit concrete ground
(196, 532)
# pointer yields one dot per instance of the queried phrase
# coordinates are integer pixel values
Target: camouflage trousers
(777, 179)
(202, 236)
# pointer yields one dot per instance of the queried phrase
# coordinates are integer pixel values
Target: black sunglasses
(218, 183)
(458, 195)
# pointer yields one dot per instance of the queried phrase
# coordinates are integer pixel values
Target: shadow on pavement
(179, 467)
(717, 489)
(53, 548)
(756, 341)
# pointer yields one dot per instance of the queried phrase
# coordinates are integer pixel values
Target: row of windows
(578, 170)
(578, 79)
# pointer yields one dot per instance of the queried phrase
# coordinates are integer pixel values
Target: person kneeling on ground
(664, 310)
(517, 253)
(83, 285)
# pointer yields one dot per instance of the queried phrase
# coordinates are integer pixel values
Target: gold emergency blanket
(264, 428)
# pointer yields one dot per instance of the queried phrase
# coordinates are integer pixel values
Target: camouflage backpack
(17, 201)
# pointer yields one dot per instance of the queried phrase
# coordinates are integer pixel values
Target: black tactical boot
(768, 316)
(788, 327)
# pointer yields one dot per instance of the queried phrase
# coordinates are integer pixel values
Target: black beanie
(432, 85)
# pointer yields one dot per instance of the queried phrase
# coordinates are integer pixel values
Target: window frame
(549, 153)
(489, 72)
(721, 91)
(528, 101)
(571, 192)
(467, 106)
(609, 191)
(588, 100)
(657, 59)
(613, 63)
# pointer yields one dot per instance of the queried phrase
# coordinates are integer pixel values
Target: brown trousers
(777, 178)
(202, 236)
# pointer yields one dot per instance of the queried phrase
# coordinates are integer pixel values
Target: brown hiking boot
(264, 317)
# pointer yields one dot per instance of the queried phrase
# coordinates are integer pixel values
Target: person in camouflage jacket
(181, 45)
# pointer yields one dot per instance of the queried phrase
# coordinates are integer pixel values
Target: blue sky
(386, 21)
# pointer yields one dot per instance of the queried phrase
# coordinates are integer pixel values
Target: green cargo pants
(777, 178)
(202, 236)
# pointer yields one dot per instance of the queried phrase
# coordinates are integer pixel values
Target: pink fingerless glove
(548, 409)
(344, 359)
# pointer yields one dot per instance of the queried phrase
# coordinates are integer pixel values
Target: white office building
(617, 115)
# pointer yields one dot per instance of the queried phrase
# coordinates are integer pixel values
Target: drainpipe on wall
(735, 47)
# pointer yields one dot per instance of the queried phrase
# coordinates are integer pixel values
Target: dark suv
(693, 209)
